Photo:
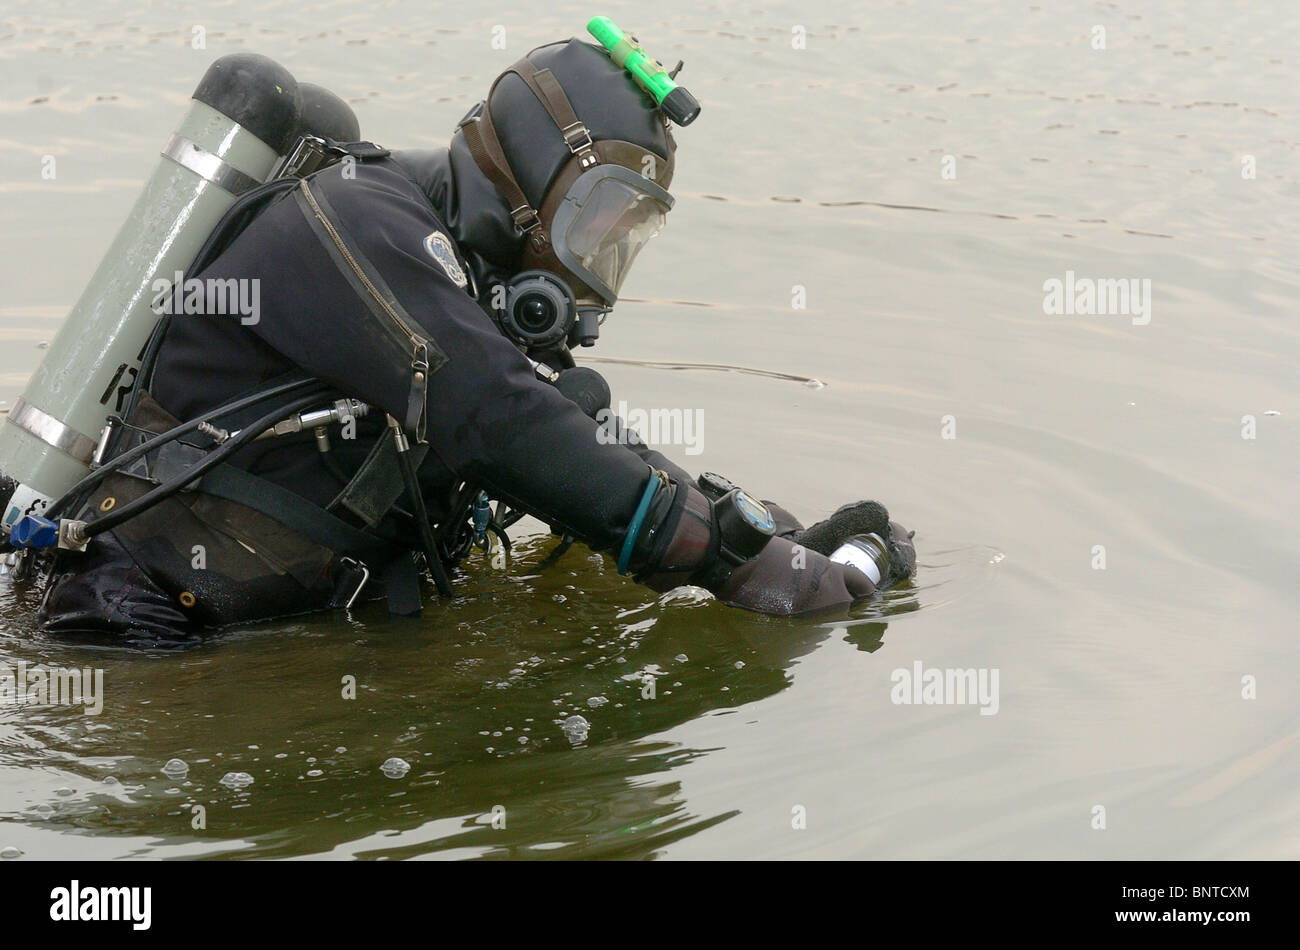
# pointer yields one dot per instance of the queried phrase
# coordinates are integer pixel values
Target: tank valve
(36, 531)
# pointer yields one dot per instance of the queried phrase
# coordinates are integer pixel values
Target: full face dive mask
(607, 199)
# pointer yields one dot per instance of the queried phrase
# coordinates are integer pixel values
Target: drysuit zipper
(404, 334)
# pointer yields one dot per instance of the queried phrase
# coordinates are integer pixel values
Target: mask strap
(485, 149)
(485, 146)
(551, 95)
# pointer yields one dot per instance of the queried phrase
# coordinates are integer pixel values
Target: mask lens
(536, 313)
(613, 225)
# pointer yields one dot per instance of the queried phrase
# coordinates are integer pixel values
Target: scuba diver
(403, 390)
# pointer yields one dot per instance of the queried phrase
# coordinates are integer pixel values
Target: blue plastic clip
(33, 531)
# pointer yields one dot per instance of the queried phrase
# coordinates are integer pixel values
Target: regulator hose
(210, 461)
(108, 468)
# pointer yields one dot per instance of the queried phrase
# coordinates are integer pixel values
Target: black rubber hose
(436, 568)
(194, 472)
(460, 508)
(108, 468)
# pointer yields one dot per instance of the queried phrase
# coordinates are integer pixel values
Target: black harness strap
(295, 512)
(401, 580)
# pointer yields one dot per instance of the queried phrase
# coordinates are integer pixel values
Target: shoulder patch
(441, 250)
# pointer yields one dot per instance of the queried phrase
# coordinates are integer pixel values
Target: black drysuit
(329, 292)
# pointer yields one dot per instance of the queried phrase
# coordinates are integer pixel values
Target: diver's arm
(617, 429)
(527, 444)
(590, 392)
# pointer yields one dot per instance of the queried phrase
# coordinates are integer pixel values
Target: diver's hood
(605, 99)
(474, 212)
(511, 147)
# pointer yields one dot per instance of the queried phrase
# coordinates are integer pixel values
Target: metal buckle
(525, 213)
(572, 132)
(352, 565)
(306, 155)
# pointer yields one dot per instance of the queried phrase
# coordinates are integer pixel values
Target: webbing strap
(485, 149)
(551, 95)
(400, 579)
(402, 586)
(485, 145)
(294, 512)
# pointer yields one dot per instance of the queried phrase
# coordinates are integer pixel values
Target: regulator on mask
(538, 310)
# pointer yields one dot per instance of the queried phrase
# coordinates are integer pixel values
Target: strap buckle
(577, 137)
(526, 219)
(473, 115)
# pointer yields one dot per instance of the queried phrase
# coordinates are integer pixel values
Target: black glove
(787, 525)
(860, 517)
(787, 579)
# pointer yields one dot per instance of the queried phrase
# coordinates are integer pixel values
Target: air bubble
(395, 767)
(576, 729)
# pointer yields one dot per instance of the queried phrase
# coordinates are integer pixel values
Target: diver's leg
(107, 595)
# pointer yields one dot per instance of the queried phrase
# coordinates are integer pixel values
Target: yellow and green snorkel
(673, 100)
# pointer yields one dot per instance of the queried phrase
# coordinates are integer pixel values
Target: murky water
(831, 169)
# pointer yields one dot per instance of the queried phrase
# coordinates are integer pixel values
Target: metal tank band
(190, 154)
(51, 431)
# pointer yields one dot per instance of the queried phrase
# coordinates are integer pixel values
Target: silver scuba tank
(245, 113)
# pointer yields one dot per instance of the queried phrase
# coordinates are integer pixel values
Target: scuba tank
(247, 112)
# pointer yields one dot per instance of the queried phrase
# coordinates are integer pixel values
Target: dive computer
(714, 485)
(744, 525)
